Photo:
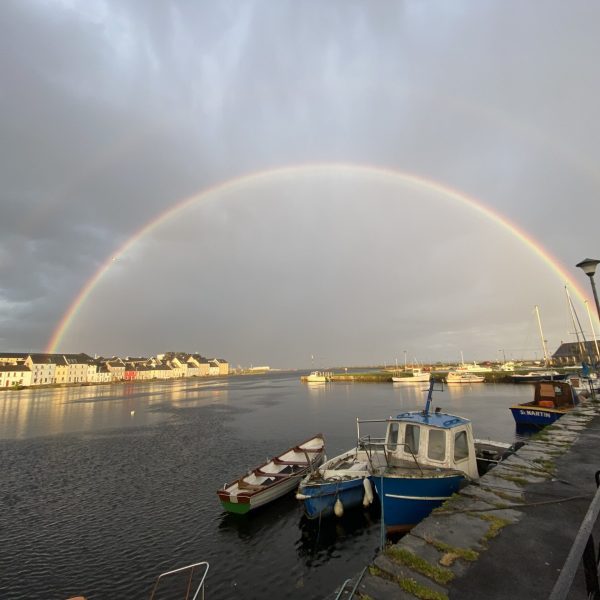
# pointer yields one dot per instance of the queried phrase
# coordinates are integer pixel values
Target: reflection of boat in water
(273, 479)
(552, 399)
(339, 484)
(463, 377)
(412, 376)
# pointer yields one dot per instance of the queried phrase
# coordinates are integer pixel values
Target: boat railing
(190, 570)
(379, 444)
(582, 551)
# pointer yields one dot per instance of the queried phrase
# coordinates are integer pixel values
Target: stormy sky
(112, 112)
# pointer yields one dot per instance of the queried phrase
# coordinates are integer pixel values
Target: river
(104, 487)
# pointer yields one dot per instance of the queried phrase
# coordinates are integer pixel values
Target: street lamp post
(588, 266)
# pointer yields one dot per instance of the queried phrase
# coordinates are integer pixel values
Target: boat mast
(582, 345)
(587, 306)
(537, 312)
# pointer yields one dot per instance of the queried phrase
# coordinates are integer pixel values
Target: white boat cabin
(434, 440)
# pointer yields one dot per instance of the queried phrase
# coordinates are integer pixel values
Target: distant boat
(473, 368)
(414, 375)
(318, 377)
(339, 484)
(534, 376)
(274, 478)
(463, 377)
(552, 399)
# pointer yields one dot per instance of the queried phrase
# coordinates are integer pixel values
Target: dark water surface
(102, 488)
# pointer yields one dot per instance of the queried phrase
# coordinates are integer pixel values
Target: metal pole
(587, 307)
(595, 294)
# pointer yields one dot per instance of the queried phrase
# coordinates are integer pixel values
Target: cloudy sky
(112, 113)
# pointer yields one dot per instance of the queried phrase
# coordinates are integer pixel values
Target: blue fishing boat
(552, 399)
(423, 459)
(338, 485)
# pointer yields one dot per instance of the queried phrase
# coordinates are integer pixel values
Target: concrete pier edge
(517, 521)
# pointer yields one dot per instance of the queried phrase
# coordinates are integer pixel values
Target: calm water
(103, 488)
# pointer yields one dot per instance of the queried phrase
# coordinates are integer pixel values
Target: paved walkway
(508, 537)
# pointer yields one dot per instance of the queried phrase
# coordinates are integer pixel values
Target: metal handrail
(191, 568)
(343, 588)
(583, 551)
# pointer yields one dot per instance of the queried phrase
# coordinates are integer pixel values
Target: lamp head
(588, 266)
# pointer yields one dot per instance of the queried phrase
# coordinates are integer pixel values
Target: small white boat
(463, 377)
(318, 377)
(473, 368)
(273, 479)
(412, 376)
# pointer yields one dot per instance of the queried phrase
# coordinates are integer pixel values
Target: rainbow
(307, 170)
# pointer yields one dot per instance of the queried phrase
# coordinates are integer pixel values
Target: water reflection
(32, 413)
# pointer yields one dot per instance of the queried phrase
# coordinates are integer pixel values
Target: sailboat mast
(587, 306)
(573, 315)
(537, 312)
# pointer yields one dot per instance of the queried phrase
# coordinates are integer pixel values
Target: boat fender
(368, 497)
(338, 508)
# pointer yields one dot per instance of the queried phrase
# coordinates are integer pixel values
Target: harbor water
(104, 487)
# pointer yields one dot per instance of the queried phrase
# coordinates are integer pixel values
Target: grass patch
(464, 553)
(514, 479)
(409, 585)
(405, 557)
(496, 525)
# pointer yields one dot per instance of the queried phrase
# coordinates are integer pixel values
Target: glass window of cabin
(436, 449)
(461, 449)
(392, 441)
(411, 439)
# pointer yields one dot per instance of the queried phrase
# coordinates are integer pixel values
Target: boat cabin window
(392, 441)
(436, 449)
(461, 448)
(411, 439)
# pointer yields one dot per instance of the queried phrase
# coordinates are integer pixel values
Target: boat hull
(535, 416)
(407, 500)
(319, 498)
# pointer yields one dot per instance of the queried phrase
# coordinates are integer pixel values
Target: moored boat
(414, 375)
(534, 376)
(339, 484)
(552, 399)
(318, 377)
(425, 457)
(463, 377)
(274, 478)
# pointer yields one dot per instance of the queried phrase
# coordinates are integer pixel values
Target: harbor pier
(506, 535)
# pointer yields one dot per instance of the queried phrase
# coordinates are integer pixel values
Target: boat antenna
(429, 396)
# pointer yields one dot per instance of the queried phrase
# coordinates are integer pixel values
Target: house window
(436, 449)
(461, 448)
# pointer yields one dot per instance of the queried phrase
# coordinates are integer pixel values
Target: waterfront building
(13, 375)
(117, 369)
(573, 353)
(42, 367)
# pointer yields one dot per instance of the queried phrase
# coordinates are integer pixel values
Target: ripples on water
(98, 500)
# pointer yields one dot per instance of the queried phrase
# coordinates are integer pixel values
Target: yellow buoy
(368, 497)
(338, 508)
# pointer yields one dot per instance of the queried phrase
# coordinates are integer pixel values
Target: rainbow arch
(379, 174)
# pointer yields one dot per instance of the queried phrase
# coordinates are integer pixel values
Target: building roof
(573, 349)
(19, 368)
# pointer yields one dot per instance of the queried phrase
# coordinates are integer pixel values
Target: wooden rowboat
(274, 478)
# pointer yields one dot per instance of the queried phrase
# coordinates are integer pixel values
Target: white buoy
(368, 497)
(132, 413)
(338, 508)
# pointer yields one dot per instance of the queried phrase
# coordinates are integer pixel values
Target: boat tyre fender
(368, 497)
